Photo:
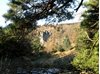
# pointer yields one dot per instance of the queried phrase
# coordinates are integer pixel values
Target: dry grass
(65, 53)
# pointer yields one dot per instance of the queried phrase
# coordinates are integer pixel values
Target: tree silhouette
(25, 13)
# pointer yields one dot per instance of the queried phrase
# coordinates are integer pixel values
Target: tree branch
(79, 5)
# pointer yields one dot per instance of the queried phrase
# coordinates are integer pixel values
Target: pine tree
(25, 13)
(87, 58)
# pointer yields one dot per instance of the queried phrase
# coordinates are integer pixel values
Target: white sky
(4, 8)
(77, 18)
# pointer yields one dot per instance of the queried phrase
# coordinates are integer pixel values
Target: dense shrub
(88, 43)
(35, 44)
(14, 45)
(88, 54)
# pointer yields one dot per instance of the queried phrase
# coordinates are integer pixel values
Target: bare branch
(79, 5)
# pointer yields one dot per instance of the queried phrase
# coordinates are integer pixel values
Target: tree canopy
(91, 19)
(26, 12)
(88, 43)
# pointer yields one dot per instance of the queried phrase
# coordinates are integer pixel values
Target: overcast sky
(4, 8)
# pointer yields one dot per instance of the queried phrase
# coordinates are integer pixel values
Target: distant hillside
(51, 36)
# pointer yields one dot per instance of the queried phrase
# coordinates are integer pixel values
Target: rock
(45, 71)
(19, 70)
(24, 72)
(34, 72)
(53, 70)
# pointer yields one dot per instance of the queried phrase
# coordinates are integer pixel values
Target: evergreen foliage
(35, 44)
(17, 45)
(13, 46)
(87, 58)
(65, 45)
(25, 13)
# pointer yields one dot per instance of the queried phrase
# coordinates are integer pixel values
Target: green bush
(87, 57)
(88, 43)
(35, 44)
(14, 45)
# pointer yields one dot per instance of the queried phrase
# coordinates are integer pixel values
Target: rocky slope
(51, 36)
